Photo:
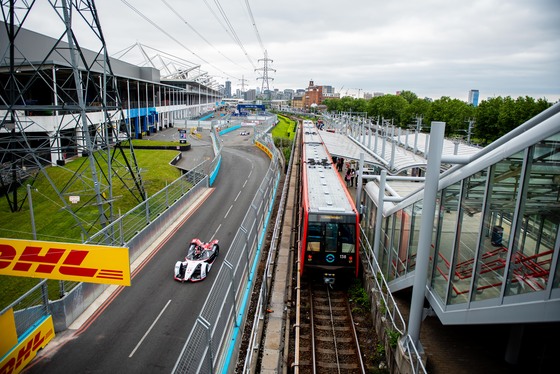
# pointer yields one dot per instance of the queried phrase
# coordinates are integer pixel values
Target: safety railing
(388, 306)
(216, 333)
(124, 228)
(29, 308)
(264, 291)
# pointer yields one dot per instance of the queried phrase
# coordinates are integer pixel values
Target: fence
(214, 338)
(137, 230)
(29, 308)
(125, 228)
(388, 310)
(256, 330)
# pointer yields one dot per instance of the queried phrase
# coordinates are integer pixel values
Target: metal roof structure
(326, 194)
(394, 153)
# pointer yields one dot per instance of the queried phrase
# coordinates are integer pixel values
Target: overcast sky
(432, 47)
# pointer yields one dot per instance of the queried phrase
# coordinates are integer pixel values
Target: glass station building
(495, 243)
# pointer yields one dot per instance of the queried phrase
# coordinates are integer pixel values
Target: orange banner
(27, 349)
(65, 261)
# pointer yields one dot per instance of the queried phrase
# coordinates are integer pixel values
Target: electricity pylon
(59, 102)
(265, 69)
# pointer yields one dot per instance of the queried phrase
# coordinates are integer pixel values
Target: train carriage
(330, 236)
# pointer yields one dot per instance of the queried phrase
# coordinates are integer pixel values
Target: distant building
(473, 97)
(313, 95)
(250, 95)
(297, 102)
(227, 91)
(288, 94)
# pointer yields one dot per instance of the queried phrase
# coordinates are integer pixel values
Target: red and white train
(330, 236)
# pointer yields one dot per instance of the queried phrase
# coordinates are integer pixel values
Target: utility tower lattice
(243, 81)
(53, 112)
(265, 69)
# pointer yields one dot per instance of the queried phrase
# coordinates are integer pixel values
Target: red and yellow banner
(27, 349)
(65, 261)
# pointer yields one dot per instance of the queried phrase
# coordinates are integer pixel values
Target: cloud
(432, 47)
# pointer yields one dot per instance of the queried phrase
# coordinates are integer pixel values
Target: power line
(233, 33)
(255, 25)
(170, 36)
(196, 32)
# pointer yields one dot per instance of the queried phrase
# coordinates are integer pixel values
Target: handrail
(391, 307)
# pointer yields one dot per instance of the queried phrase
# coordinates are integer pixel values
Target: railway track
(328, 342)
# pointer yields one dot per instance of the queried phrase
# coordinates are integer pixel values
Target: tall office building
(227, 91)
(473, 97)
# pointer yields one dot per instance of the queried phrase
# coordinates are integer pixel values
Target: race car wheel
(216, 249)
(181, 271)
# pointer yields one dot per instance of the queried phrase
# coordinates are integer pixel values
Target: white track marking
(231, 206)
(216, 232)
(150, 329)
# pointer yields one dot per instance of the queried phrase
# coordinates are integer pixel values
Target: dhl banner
(15, 360)
(8, 334)
(65, 261)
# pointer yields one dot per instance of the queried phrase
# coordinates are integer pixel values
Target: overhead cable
(170, 36)
(196, 32)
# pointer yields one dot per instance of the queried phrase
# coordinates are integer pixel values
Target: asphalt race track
(143, 328)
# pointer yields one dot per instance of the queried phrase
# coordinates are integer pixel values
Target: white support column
(56, 153)
(426, 227)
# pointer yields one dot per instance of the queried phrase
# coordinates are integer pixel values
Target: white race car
(198, 262)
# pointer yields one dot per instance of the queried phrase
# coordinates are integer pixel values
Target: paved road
(143, 328)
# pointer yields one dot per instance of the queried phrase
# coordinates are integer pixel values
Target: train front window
(314, 237)
(331, 233)
(347, 238)
(331, 237)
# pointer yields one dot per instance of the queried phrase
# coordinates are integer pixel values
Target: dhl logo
(65, 261)
(24, 352)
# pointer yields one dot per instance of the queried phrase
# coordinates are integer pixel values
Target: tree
(409, 96)
(453, 112)
(487, 118)
(388, 107)
(418, 108)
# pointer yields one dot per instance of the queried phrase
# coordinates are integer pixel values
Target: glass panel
(466, 244)
(535, 235)
(414, 233)
(347, 238)
(448, 228)
(395, 259)
(383, 248)
(502, 200)
(331, 232)
(435, 234)
(404, 240)
(371, 212)
(314, 237)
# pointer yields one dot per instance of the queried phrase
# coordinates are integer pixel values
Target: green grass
(283, 135)
(286, 128)
(54, 224)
